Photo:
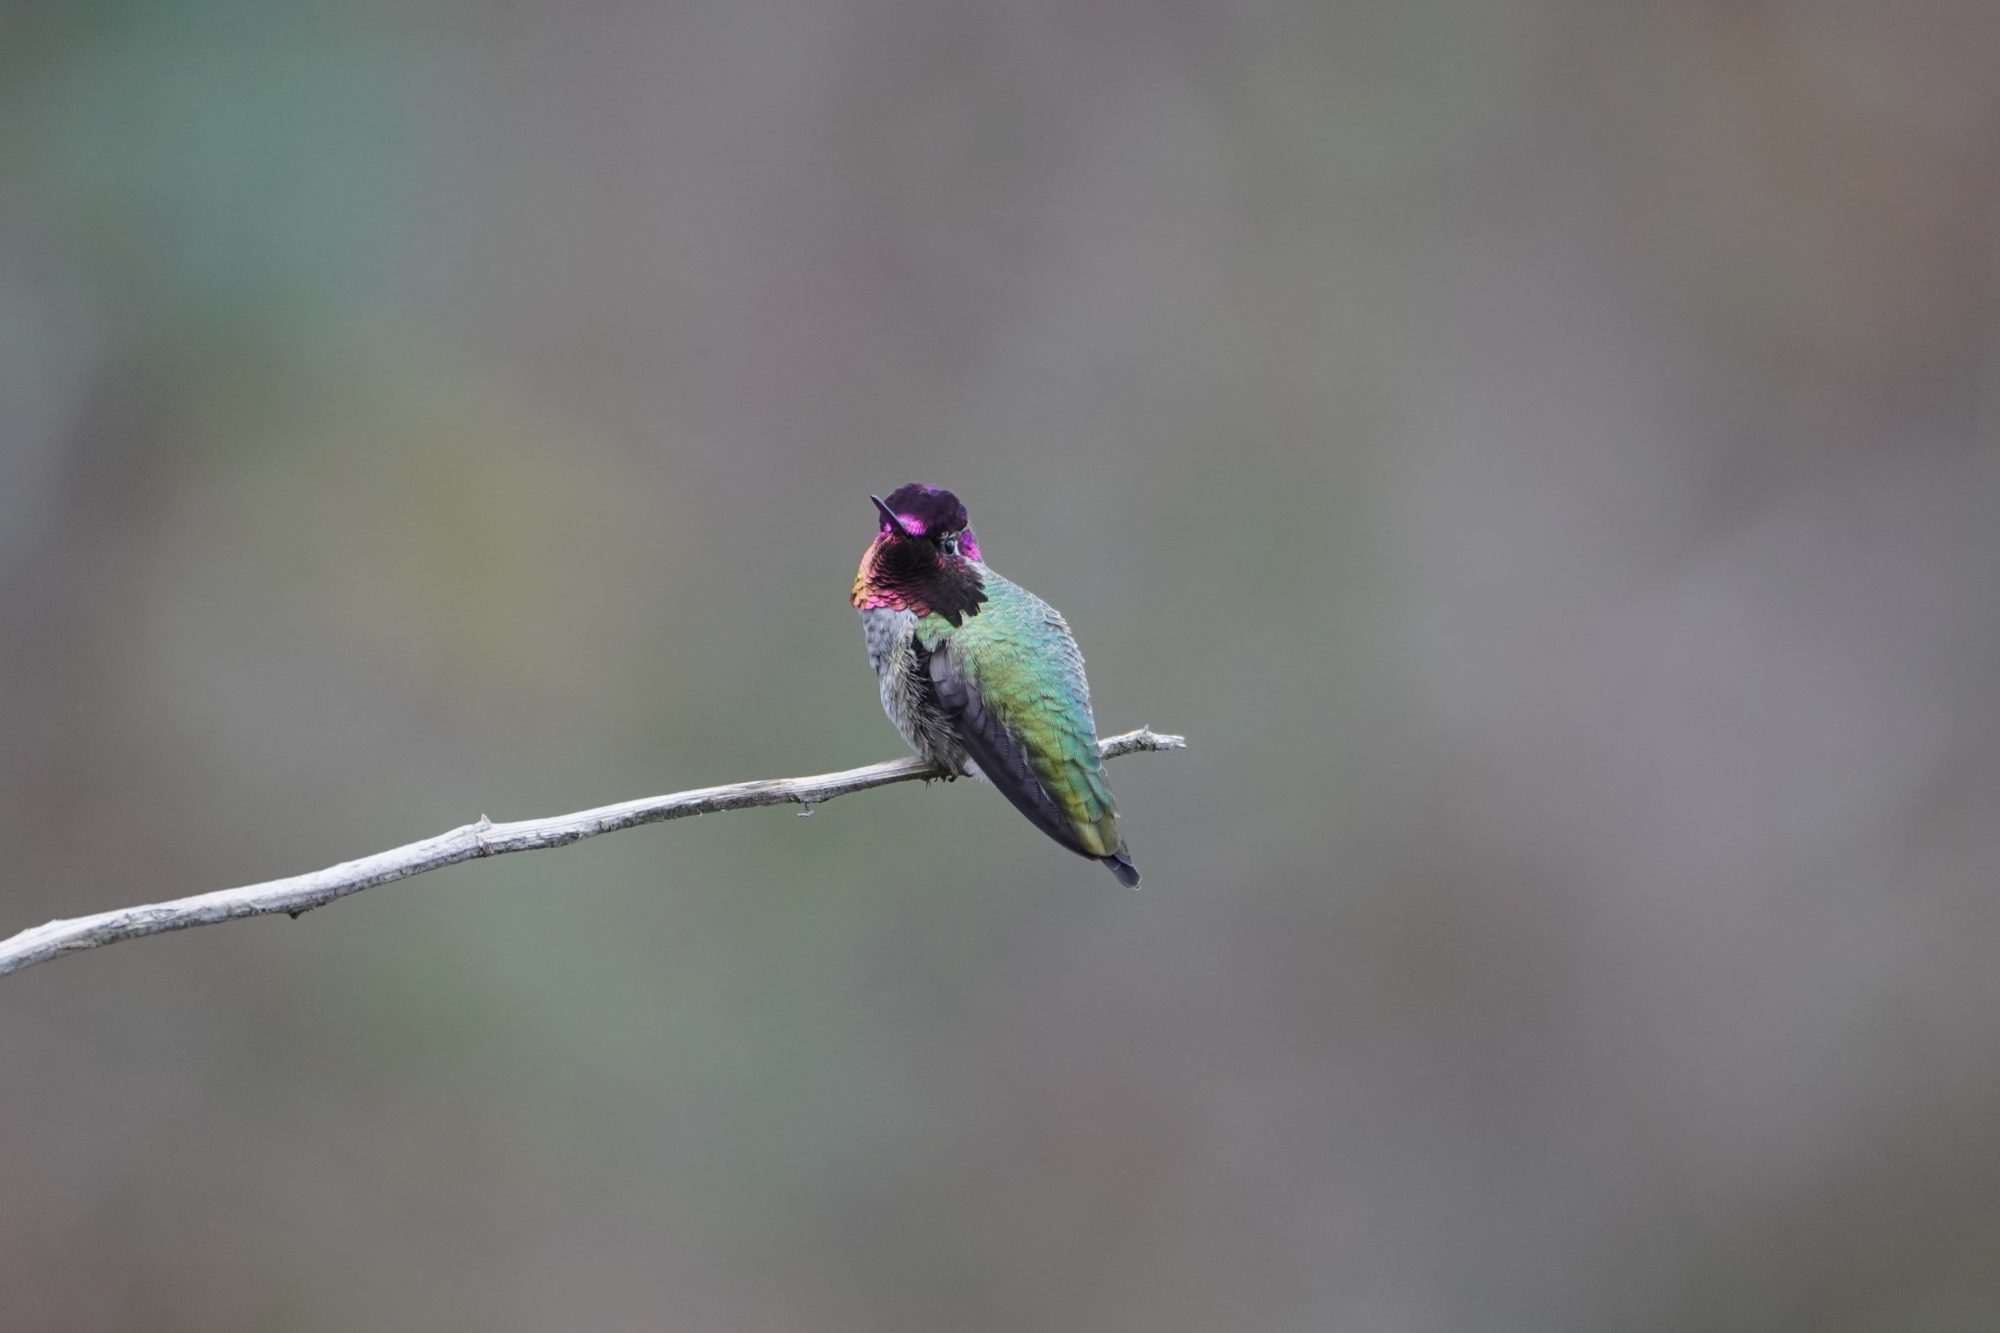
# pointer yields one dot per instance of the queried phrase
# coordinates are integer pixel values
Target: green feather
(1019, 654)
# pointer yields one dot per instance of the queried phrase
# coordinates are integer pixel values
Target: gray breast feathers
(908, 696)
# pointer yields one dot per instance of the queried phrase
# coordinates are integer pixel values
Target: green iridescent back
(1019, 654)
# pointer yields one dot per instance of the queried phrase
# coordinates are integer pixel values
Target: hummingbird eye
(949, 541)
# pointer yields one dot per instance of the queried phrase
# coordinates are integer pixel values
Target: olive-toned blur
(1544, 455)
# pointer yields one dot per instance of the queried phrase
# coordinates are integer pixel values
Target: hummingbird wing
(1025, 720)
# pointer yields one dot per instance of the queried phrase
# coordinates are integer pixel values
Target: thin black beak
(890, 514)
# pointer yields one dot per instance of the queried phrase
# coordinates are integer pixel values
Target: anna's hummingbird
(981, 676)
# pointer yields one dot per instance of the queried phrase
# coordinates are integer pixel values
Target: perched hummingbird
(981, 676)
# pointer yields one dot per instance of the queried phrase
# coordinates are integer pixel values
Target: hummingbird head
(924, 557)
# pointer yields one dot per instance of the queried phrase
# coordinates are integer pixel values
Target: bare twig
(302, 893)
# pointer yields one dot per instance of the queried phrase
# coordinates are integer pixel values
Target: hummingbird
(981, 676)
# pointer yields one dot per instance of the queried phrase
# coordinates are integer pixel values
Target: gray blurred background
(1543, 454)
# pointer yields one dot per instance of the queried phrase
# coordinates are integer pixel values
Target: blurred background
(1543, 454)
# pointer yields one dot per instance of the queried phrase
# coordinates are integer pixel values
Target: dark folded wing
(1007, 764)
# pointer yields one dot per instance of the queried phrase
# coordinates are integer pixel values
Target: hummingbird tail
(1120, 864)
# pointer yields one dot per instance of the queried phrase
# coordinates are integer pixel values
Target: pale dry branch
(302, 893)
